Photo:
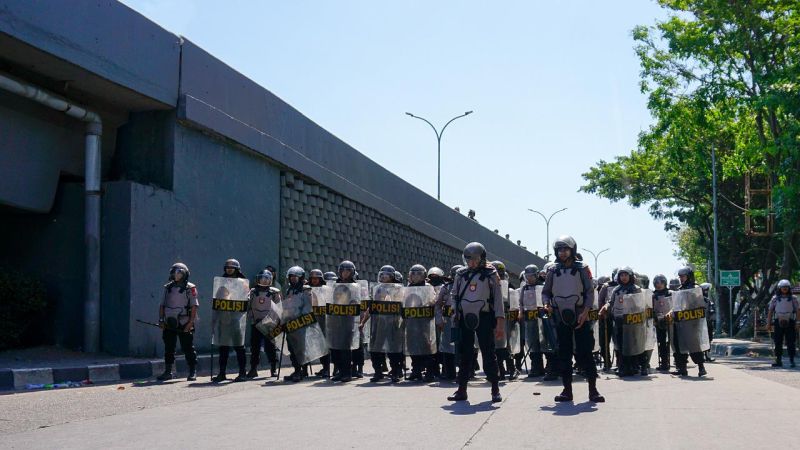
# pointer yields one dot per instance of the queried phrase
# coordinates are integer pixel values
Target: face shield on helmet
(674, 284)
(386, 274)
(785, 284)
(454, 271)
(626, 271)
(179, 268)
(329, 276)
(660, 279)
(474, 255)
(398, 277)
(562, 244)
(416, 275)
(296, 275)
(347, 270)
(316, 278)
(264, 278)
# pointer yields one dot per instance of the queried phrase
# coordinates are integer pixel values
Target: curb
(745, 348)
(21, 379)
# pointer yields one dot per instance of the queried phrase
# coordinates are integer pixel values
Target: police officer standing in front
(479, 311)
(177, 314)
(566, 293)
(782, 318)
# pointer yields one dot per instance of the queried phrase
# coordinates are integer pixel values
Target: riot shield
(320, 297)
(530, 320)
(690, 334)
(342, 317)
(303, 334)
(548, 341)
(386, 319)
(269, 326)
(650, 320)
(594, 319)
(366, 296)
(512, 322)
(229, 311)
(633, 322)
(420, 328)
(662, 305)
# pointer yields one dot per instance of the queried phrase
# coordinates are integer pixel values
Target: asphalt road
(741, 404)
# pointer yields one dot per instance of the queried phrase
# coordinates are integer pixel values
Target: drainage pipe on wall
(94, 130)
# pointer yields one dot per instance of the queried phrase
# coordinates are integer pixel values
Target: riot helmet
(705, 287)
(179, 268)
(454, 271)
(416, 275)
(530, 273)
(565, 241)
(346, 267)
(501, 268)
(660, 279)
(688, 272)
(329, 276)
(316, 278)
(784, 284)
(629, 272)
(264, 278)
(386, 274)
(299, 273)
(674, 284)
(474, 253)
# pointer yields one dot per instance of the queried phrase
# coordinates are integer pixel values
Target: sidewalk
(54, 367)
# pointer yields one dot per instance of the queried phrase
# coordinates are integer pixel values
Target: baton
(280, 357)
(177, 330)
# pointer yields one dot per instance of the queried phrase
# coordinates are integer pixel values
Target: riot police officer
(261, 297)
(444, 326)
(317, 279)
(232, 269)
(479, 311)
(422, 364)
(437, 279)
(781, 318)
(566, 295)
(386, 332)
(687, 280)
(505, 361)
(662, 304)
(297, 291)
(176, 315)
(329, 276)
(607, 322)
(630, 363)
(343, 358)
(711, 313)
(529, 320)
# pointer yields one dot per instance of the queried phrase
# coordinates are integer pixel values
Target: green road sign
(730, 278)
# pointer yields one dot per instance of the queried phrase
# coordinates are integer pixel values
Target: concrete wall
(200, 164)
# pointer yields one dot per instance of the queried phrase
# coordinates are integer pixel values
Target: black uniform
(662, 333)
(606, 325)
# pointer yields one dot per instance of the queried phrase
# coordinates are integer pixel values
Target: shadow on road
(570, 409)
(466, 408)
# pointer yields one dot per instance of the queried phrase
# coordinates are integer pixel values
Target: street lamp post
(596, 268)
(547, 221)
(439, 148)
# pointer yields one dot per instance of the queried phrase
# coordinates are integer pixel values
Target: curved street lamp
(439, 148)
(547, 221)
(596, 269)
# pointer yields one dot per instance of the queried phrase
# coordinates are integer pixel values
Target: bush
(22, 302)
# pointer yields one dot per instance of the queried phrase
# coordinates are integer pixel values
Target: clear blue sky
(554, 87)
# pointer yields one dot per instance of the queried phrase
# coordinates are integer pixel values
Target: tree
(723, 74)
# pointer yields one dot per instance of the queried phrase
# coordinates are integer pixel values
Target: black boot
(273, 368)
(459, 395)
(219, 378)
(377, 377)
(791, 362)
(167, 374)
(496, 397)
(565, 395)
(778, 362)
(192, 373)
(701, 370)
(253, 373)
(358, 371)
(594, 396)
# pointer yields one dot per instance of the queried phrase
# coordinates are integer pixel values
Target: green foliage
(726, 75)
(22, 299)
